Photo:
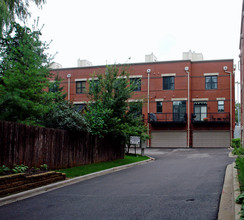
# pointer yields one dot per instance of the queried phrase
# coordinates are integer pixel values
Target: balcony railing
(167, 118)
(211, 117)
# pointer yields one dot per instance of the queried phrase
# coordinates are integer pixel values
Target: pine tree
(24, 76)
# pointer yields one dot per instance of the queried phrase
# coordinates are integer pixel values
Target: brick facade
(160, 71)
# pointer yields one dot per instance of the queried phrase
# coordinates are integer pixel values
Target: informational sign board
(134, 140)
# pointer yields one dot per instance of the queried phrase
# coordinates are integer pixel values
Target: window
(79, 107)
(137, 83)
(221, 106)
(159, 107)
(53, 87)
(200, 111)
(179, 110)
(80, 87)
(211, 82)
(168, 82)
(136, 108)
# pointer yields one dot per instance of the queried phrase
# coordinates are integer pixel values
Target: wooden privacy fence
(34, 146)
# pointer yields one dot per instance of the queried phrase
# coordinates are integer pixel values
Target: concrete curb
(226, 206)
(33, 192)
(236, 190)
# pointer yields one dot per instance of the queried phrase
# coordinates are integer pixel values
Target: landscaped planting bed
(14, 183)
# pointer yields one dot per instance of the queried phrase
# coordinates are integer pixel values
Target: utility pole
(238, 107)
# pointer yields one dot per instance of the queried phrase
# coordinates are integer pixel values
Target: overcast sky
(108, 31)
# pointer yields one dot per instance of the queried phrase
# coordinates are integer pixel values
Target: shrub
(236, 142)
(44, 167)
(238, 151)
(240, 168)
(19, 168)
(4, 169)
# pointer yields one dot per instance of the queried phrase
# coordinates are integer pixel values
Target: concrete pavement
(180, 184)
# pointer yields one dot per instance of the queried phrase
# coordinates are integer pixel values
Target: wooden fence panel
(34, 146)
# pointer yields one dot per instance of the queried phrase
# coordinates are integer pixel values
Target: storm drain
(190, 200)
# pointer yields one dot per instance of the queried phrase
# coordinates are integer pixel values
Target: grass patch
(91, 168)
(240, 168)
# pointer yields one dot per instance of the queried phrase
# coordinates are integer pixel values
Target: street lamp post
(225, 70)
(188, 106)
(238, 107)
(68, 76)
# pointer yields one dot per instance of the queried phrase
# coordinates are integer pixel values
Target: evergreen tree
(24, 76)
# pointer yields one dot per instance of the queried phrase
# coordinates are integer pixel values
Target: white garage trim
(169, 139)
(211, 138)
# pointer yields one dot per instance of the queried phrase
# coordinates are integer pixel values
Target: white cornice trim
(211, 74)
(94, 78)
(136, 76)
(168, 74)
(200, 99)
(159, 100)
(135, 100)
(220, 99)
(81, 79)
(179, 99)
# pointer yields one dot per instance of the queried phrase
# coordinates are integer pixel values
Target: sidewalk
(228, 209)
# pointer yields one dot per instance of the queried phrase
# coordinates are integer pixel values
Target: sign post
(135, 140)
(143, 146)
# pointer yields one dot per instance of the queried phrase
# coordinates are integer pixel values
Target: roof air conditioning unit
(186, 68)
(225, 68)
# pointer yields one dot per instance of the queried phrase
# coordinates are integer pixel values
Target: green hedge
(236, 143)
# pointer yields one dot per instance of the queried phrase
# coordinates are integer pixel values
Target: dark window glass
(221, 106)
(79, 107)
(159, 107)
(168, 83)
(80, 87)
(179, 110)
(211, 82)
(136, 108)
(53, 87)
(200, 111)
(137, 83)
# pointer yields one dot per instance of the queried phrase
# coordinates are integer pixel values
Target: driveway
(180, 184)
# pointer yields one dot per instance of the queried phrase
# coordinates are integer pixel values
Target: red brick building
(207, 120)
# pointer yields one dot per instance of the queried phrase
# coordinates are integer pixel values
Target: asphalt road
(180, 184)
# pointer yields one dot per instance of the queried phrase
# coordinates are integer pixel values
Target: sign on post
(134, 140)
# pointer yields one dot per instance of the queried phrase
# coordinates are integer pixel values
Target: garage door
(169, 139)
(211, 138)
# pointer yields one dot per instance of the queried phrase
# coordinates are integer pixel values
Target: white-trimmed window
(80, 87)
(159, 105)
(137, 83)
(211, 82)
(168, 83)
(221, 106)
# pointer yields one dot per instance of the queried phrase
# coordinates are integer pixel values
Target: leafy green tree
(109, 112)
(11, 8)
(24, 76)
(62, 114)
